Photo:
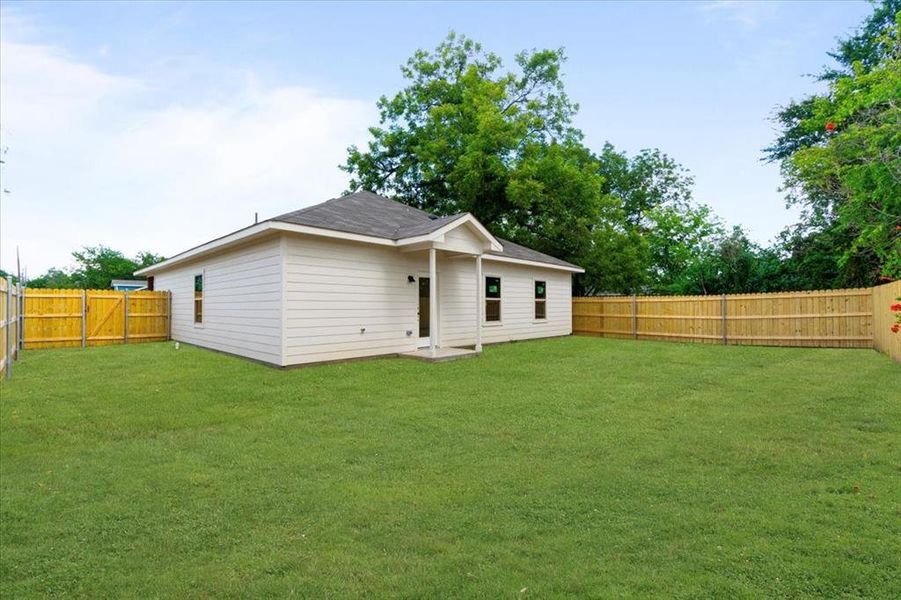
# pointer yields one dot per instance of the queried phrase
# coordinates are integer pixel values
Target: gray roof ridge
(427, 226)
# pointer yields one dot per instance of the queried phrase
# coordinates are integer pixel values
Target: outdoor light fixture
(410, 279)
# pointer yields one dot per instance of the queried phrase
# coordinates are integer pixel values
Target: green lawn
(564, 467)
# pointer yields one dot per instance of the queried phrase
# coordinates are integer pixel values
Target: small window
(198, 298)
(492, 298)
(540, 300)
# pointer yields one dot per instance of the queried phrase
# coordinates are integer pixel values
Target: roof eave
(493, 242)
(259, 229)
(533, 263)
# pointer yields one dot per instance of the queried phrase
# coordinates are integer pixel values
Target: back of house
(362, 275)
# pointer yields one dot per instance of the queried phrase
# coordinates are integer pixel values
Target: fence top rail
(716, 297)
(77, 293)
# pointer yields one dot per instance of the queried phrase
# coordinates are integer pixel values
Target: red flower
(830, 126)
(896, 327)
(895, 307)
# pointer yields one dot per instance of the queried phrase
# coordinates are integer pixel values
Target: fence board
(54, 319)
(883, 339)
(9, 325)
(821, 318)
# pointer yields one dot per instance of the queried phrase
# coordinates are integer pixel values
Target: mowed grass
(563, 467)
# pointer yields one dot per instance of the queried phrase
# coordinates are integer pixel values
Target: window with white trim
(198, 298)
(492, 299)
(540, 299)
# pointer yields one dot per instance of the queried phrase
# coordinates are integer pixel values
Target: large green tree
(95, 267)
(839, 154)
(448, 141)
(465, 135)
(655, 193)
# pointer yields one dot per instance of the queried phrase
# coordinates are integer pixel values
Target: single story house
(128, 285)
(362, 275)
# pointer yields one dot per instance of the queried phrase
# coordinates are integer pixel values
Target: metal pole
(84, 329)
(7, 321)
(125, 335)
(723, 313)
(634, 317)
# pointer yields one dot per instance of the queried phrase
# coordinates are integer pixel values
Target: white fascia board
(531, 263)
(255, 231)
(221, 242)
(438, 234)
(266, 226)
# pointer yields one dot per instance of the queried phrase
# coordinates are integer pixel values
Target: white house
(128, 285)
(362, 275)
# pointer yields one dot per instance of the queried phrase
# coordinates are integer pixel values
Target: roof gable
(370, 218)
(366, 213)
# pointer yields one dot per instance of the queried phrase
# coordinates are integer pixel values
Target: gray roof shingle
(512, 250)
(366, 213)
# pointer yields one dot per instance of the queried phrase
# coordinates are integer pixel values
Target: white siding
(462, 239)
(457, 293)
(335, 289)
(242, 292)
(300, 299)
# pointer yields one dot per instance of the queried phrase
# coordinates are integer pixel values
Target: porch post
(478, 303)
(433, 300)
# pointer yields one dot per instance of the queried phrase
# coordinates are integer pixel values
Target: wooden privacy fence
(883, 339)
(63, 318)
(10, 329)
(829, 318)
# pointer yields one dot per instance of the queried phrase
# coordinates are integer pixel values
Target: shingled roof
(366, 213)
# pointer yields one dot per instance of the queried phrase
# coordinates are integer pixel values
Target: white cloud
(748, 13)
(95, 157)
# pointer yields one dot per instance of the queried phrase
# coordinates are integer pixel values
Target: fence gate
(60, 318)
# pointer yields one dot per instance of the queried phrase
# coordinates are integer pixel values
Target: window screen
(492, 298)
(540, 300)
(198, 298)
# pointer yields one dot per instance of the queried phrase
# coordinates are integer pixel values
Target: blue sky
(157, 126)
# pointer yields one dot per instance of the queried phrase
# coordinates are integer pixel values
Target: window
(540, 300)
(198, 298)
(149, 283)
(492, 299)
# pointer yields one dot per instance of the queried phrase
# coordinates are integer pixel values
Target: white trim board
(259, 229)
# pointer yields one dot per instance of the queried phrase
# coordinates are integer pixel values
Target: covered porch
(442, 354)
(461, 245)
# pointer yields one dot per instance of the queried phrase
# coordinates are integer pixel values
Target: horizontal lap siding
(457, 301)
(242, 303)
(335, 289)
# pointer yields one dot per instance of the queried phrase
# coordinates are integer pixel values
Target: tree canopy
(467, 136)
(840, 155)
(95, 267)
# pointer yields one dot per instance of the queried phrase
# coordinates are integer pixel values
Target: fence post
(723, 313)
(21, 314)
(125, 333)
(84, 319)
(634, 317)
(6, 322)
(14, 318)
